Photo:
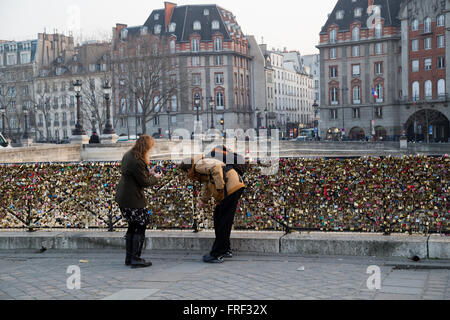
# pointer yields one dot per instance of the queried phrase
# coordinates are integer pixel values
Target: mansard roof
(389, 13)
(184, 18)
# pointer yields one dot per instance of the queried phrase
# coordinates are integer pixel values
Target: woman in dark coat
(136, 176)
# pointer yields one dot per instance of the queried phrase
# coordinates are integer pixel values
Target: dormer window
(441, 21)
(172, 27)
(124, 33)
(206, 12)
(195, 45)
(415, 25)
(156, 16)
(358, 12)
(333, 36)
(217, 44)
(355, 34)
(378, 31)
(340, 15)
(197, 25)
(215, 25)
(157, 29)
(427, 25)
(26, 46)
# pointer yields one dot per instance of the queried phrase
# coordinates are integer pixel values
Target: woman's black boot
(136, 261)
(128, 248)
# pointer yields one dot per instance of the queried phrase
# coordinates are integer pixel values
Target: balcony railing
(427, 99)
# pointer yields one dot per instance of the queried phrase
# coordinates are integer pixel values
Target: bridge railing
(389, 195)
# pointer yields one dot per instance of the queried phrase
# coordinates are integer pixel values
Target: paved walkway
(181, 275)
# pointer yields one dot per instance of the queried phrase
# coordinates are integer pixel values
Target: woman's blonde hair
(142, 147)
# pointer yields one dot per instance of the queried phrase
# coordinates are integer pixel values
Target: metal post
(79, 130)
(212, 116)
(25, 134)
(3, 122)
(108, 126)
(168, 122)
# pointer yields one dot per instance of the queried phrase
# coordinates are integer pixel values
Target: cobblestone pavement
(181, 275)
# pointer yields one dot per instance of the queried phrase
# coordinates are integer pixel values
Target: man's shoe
(211, 259)
(228, 254)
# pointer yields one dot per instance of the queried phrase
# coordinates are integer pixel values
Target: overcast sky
(294, 24)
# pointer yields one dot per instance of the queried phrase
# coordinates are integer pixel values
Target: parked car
(301, 138)
(126, 139)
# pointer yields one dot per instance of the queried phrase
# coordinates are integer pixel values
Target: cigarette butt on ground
(84, 261)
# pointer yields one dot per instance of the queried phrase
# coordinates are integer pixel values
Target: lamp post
(25, 115)
(288, 119)
(343, 113)
(3, 109)
(168, 121)
(211, 105)
(316, 120)
(107, 95)
(265, 113)
(197, 104)
(78, 131)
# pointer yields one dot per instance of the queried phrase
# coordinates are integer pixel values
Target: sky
(291, 24)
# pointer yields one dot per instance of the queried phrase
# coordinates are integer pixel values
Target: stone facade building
(312, 61)
(211, 60)
(425, 79)
(293, 93)
(55, 98)
(20, 62)
(368, 89)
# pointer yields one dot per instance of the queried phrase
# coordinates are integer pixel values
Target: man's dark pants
(223, 223)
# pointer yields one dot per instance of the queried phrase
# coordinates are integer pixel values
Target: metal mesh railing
(408, 194)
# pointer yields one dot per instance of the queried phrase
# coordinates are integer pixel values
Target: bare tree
(150, 77)
(41, 102)
(5, 104)
(93, 104)
(10, 111)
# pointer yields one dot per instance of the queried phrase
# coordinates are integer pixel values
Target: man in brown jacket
(226, 187)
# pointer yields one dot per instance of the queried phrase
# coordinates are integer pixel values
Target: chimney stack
(168, 11)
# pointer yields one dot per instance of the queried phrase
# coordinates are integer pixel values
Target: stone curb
(314, 243)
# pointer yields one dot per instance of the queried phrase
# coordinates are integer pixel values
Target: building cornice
(367, 41)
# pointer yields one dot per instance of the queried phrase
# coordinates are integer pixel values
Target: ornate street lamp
(211, 105)
(3, 111)
(107, 95)
(197, 104)
(25, 115)
(267, 116)
(168, 121)
(78, 131)
(316, 120)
